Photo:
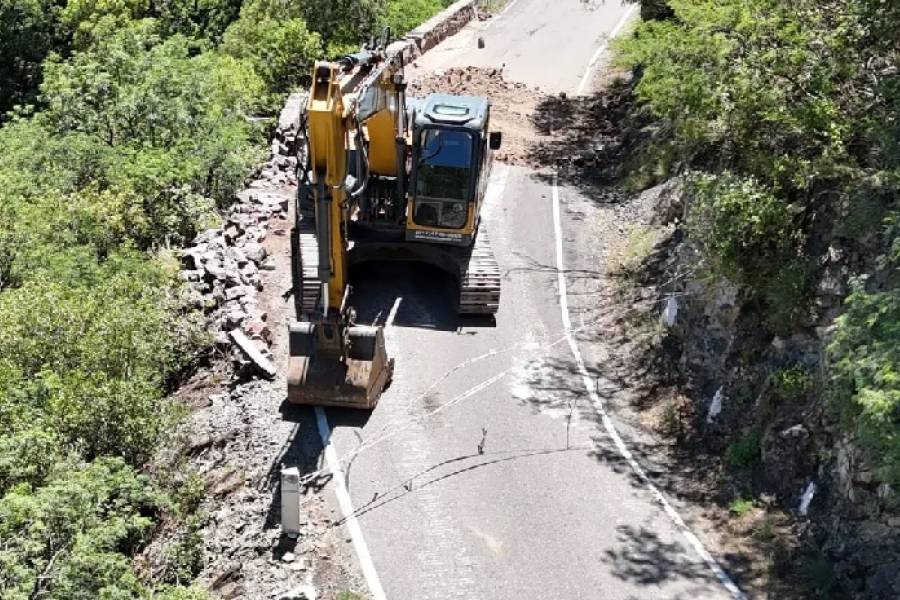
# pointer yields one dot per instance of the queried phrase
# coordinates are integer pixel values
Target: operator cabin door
(444, 183)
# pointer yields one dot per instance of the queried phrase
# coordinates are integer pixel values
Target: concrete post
(290, 502)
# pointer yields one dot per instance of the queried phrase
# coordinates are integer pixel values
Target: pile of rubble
(513, 105)
(222, 266)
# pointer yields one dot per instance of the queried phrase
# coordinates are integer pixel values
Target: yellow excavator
(385, 178)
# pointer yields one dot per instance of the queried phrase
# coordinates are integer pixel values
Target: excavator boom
(332, 360)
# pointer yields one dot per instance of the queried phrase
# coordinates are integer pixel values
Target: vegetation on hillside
(784, 119)
(126, 124)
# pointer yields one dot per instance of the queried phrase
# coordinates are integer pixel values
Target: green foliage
(206, 19)
(749, 236)
(64, 539)
(203, 19)
(740, 506)
(28, 31)
(402, 17)
(184, 557)
(710, 73)
(740, 225)
(343, 24)
(788, 114)
(144, 120)
(96, 355)
(177, 119)
(792, 383)
(282, 51)
(865, 370)
(743, 452)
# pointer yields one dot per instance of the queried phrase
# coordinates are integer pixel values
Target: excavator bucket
(320, 377)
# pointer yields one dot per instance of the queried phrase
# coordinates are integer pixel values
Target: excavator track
(307, 285)
(479, 286)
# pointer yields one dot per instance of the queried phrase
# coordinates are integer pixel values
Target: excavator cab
(451, 158)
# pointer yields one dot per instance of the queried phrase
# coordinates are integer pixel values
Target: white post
(290, 502)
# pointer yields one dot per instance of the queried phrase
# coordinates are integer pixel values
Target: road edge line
(373, 581)
(608, 425)
(494, 19)
(602, 48)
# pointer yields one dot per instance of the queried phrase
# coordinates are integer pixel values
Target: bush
(143, 127)
(281, 51)
(28, 30)
(184, 557)
(766, 100)
(865, 375)
(742, 228)
(63, 540)
(176, 115)
(404, 16)
(740, 507)
(747, 235)
(792, 383)
(743, 452)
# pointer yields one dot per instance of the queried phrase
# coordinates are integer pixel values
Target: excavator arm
(328, 135)
(332, 360)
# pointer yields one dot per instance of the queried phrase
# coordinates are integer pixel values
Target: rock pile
(513, 105)
(222, 265)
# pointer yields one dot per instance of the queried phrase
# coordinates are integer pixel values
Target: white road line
(346, 504)
(495, 189)
(343, 496)
(508, 6)
(586, 78)
(393, 314)
(608, 425)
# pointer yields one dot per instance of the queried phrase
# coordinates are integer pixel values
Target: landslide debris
(586, 139)
(513, 104)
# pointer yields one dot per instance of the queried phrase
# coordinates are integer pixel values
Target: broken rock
(255, 251)
(253, 352)
(238, 291)
(257, 329)
(302, 592)
(237, 255)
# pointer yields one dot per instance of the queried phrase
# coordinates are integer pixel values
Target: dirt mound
(585, 139)
(513, 104)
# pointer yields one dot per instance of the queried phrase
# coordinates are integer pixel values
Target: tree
(28, 32)
(281, 51)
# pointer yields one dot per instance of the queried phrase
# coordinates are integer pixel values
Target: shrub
(175, 114)
(746, 233)
(281, 51)
(743, 452)
(28, 30)
(63, 540)
(404, 16)
(740, 507)
(792, 383)
(865, 375)
(184, 556)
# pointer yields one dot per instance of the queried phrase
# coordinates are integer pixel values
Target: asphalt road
(474, 482)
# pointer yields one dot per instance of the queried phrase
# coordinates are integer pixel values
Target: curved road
(487, 472)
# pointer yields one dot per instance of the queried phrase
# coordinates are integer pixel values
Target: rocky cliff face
(766, 392)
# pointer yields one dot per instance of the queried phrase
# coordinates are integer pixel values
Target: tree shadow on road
(644, 558)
